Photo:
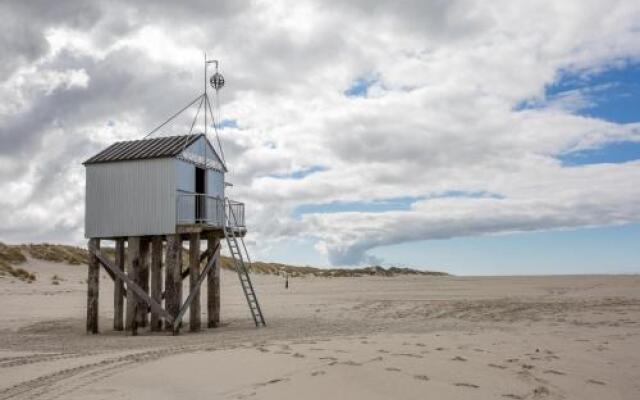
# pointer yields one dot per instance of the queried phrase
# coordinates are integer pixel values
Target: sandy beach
(405, 337)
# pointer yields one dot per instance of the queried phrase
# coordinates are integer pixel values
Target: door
(200, 186)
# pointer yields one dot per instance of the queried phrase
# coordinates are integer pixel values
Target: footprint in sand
(383, 351)
(553, 372)
(467, 385)
(407, 355)
(513, 396)
(596, 382)
(458, 358)
(271, 382)
(393, 369)
(541, 391)
(244, 396)
(351, 363)
(298, 355)
(421, 377)
(318, 373)
(479, 350)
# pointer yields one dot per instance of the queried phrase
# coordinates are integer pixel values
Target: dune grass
(16, 254)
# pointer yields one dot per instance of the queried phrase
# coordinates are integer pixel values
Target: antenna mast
(217, 82)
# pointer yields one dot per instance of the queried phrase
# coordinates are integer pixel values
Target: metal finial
(217, 81)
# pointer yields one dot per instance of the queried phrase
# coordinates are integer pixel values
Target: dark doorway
(201, 213)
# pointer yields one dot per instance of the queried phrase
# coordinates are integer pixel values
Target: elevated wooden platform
(142, 298)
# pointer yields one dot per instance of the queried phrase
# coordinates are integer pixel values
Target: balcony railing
(235, 213)
(203, 209)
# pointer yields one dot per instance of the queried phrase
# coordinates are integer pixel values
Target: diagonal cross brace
(203, 257)
(194, 291)
(137, 289)
(185, 273)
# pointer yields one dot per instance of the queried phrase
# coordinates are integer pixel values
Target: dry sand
(573, 337)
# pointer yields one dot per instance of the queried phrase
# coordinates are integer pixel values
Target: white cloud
(441, 116)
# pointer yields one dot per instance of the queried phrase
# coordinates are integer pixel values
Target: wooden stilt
(156, 280)
(133, 268)
(151, 303)
(93, 287)
(194, 274)
(118, 288)
(213, 285)
(178, 277)
(173, 279)
(143, 281)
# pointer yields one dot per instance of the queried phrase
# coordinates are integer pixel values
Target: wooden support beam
(194, 273)
(111, 275)
(133, 272)
(156, 280)
(118, 288)
(134, 287)
(192, 295)
(172, 277)
(213, 283)
(204, 256)
(93, 287)
(143, 281)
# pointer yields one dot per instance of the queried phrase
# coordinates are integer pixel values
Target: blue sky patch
(473, 195)
(301, 173)
(612, 94)
(617, 152)
(228, 123)
(391, 204)
(360, 87)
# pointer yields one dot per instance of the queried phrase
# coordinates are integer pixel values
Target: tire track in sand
(58, 383)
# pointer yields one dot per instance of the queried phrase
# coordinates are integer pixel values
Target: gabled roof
(158, 147)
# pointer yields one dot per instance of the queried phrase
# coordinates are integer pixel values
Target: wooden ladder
(232, 233)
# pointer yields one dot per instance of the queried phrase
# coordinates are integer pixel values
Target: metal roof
(159, 147)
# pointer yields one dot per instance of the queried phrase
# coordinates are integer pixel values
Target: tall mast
(205, 94)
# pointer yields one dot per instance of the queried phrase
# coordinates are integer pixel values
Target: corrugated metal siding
(215, 183)
(186, 176)
(130, 198)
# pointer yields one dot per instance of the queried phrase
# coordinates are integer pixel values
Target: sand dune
(406, 337)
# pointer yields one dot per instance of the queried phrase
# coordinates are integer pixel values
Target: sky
(470, 137)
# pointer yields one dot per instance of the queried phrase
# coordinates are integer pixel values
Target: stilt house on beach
(149, 196)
